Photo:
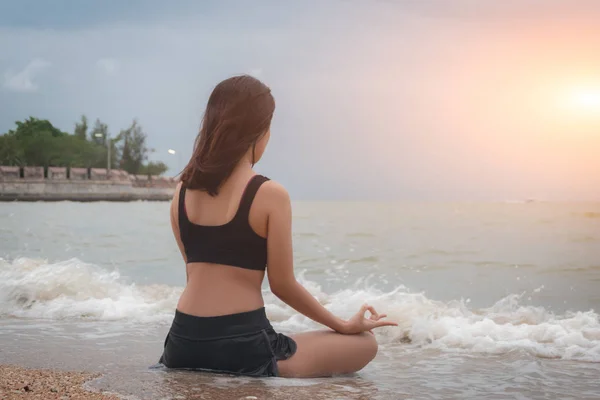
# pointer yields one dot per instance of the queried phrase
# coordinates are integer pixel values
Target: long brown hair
(238, 114)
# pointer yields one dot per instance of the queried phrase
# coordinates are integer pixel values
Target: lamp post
(107, 139)
(174, 152)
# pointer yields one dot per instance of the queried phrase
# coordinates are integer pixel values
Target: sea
(492, 300)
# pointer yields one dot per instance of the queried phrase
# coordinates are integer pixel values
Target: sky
(446, 100)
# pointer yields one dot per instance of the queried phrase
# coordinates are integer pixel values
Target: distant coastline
(81, 184)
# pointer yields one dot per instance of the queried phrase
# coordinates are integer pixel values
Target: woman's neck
(243, 167)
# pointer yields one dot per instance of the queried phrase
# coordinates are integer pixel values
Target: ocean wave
(452, 326)
(31, 288)
(73, 289)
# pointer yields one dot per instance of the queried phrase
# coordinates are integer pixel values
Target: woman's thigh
(326, 353)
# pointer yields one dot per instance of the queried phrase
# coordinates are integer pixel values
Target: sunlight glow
(585, 100)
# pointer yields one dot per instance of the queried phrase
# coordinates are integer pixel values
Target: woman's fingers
(363, 309)
(379, 324)
(372, 323)
(373, 312)
(375, 319)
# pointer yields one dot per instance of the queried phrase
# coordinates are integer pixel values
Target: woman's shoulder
(274, 193)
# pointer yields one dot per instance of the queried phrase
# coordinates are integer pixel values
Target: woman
(231, 226)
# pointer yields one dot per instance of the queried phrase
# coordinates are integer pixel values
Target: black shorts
(244, 344)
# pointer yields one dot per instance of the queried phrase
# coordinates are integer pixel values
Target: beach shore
(24, 383)
(18, 383)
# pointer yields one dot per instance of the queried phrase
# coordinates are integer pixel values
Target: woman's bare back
(216, 289)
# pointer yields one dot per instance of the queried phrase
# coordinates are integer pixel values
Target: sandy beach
(22, 383)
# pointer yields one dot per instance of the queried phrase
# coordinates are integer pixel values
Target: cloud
(109, 66)
(23, 81)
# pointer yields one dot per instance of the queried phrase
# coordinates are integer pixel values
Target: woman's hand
(359, 323)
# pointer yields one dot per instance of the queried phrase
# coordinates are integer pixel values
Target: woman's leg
(326, 353)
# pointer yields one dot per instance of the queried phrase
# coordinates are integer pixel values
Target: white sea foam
(72, 289)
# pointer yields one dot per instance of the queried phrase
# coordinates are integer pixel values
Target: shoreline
(18, 382)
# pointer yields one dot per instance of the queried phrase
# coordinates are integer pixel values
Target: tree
(39, 149)
(36, 142)
(133, 148)
(71, 151)
(81, 128)
(33, 127)
(154, 168)
(11, 152)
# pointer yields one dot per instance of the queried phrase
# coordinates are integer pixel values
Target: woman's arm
(280, 266)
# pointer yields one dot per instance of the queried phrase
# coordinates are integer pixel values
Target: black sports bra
(234, 243)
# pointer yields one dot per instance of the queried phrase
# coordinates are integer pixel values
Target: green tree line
(36, 142)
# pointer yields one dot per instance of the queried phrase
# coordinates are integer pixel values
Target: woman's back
(224, 240)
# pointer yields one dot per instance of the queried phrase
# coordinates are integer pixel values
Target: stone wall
(7, 173)
(76, 185)
(98, 174)
(33, 172)
(141, 180)
(79, 191)
(78, 174)
(118, 175)
(57, 173)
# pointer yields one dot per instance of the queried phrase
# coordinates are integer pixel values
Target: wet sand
(50, 384)
(23, 383)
